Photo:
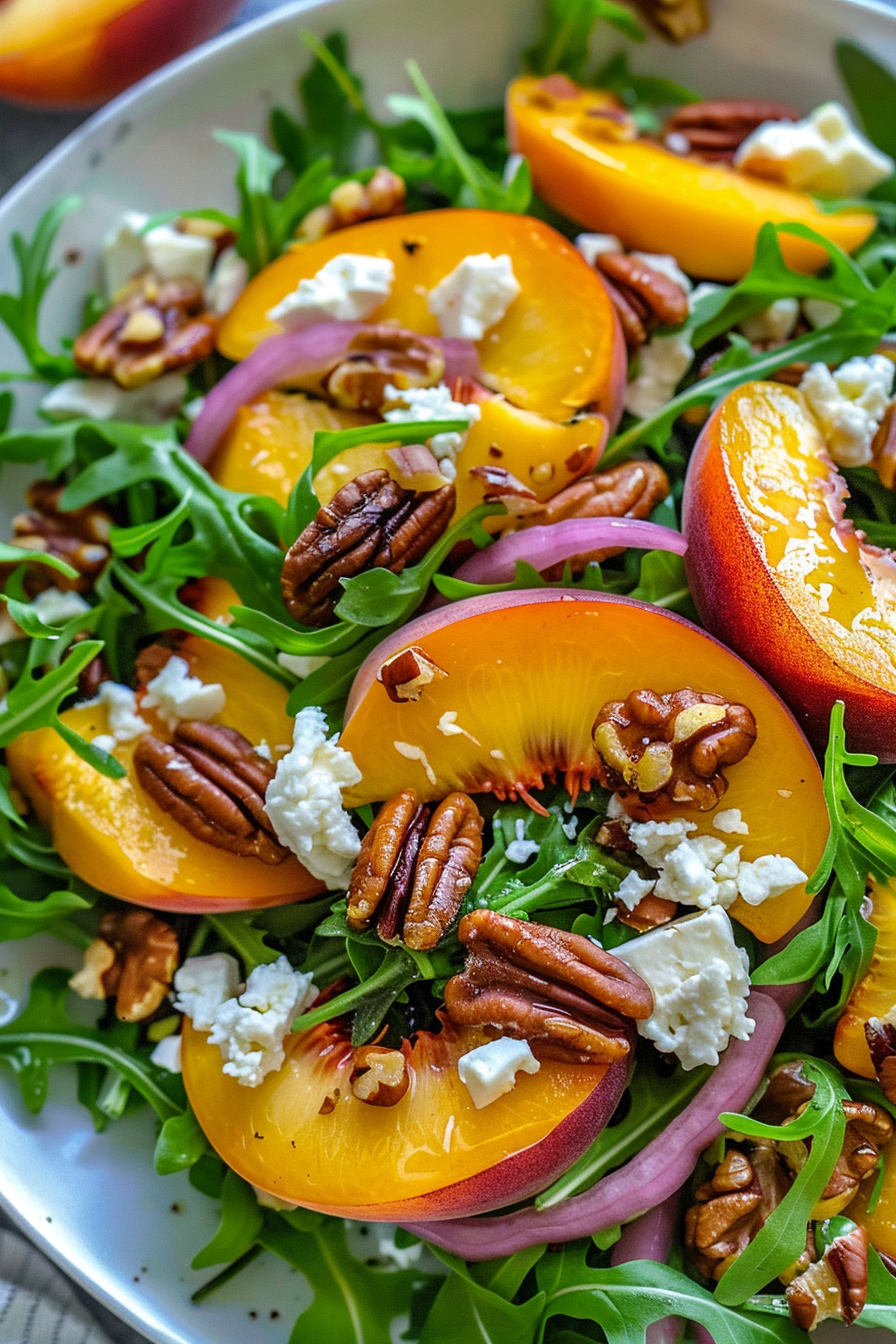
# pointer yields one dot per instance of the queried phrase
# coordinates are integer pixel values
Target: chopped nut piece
(561, 992)
(672, 745)
(407, 674)
(650, 912)
(715, 130)
(79, 537)
(502, 487)
(213, 783)
(881, 1038)
(121, 344)
(380, 357)
(733, 1205)
(836, 1286)
(352, 202)
(371, 523)
(415, 867)
(133, 960)
(644, 298)
(677, 20)
(379, 1076)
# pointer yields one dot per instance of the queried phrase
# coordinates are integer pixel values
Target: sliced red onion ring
(309, 353)
(650, 1238)
(542, 547)
(642, 1183)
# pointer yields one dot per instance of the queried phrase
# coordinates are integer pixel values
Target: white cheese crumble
(663, 362)
(347, 288)
(594, 245)
(489, 1071)
(55, 607)
(774, 323)
(226, 282)
(849, 404)
(249, 1029)
(820, 312)
(730, 822)
(302, 664)
(203, 984)
(304, 801)
(700, 982)
(633, 888)
(170, 253)
(520, 849)
(175, 694)
(167, 1054)
(120, 704)
(417, 404)
(102, 399)
(768, 876)
(475, 296)
(824, 152)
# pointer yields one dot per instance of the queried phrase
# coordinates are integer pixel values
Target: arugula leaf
(332, 98)
(782, 1238)
(373, 997)
(21, 918)
(627, 1299)
(240, 1226)
(20, 313)
(467, 1310)
(872, 88)
(567, 27)
(14, 555)
(181, 1143)
(238, 930)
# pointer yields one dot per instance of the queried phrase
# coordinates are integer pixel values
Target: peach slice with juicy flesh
(112, 834)
(875, 993)
(881, 1224)
(706, 214)
(557, 350)
(432, 1155)
(780, 576)
(527, 673)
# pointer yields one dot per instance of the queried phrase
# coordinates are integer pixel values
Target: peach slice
(875, 994)
(111, 833)
(431, 1156)
(780, 576)
(557, 350)
(706, 215)
(881, 1224)
(527, 673)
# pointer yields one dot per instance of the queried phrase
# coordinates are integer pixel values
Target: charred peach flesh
(303, 1136)
(112, 834)
(526, 675)
(780, 577)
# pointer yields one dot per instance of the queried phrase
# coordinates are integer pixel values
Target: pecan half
(629, 490)
(212, 782)
(415, 866)
(371, 523)
(673, 746)
(715, 130)
(153, 328)
(677, 20)
(354, 202)
(379, 356)
(133, 960)
(80, 537)
(643, 297)
(881, 1038)
(836, 1286)
(561, 992)
(379, 1076)
(733, 1206)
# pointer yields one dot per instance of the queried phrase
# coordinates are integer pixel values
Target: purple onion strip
(650, 1238)
(542, 547)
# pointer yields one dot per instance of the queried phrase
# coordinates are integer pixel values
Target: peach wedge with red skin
(303, 1136)
(780, 576)
(527, 673)
(112, 834)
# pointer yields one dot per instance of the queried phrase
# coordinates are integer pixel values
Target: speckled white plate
(93, 1203)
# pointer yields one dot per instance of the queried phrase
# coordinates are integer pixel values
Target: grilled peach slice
(875, 994)
(431, 1156)
(780, 576)
(706, 215)
(557, 350)
(527, 673)
(112, 834)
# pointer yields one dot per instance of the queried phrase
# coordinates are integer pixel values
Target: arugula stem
(227, 1273)
(390, 973)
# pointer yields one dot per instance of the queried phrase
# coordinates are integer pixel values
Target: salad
(448, 700)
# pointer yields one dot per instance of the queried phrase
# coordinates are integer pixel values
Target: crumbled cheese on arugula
(203, 984)
(304, 801)
(250, 1028)
(475, 296)
(774, 323)
(849, 404)
(662, 363)
(665, 264)
(822, 153)
(175, 694)
(489, 1071)
(633, 888)
(102, 399)
(55, 607)
(348, 288)
(521, 849)
(167, 1054)
(415, 404)
(171, 254)
(700, 982)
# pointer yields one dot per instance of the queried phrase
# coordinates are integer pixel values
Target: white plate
(94, 1203)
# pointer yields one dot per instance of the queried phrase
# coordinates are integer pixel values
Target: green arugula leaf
(239, 931)
(14, 555)
(180, 1145)
(872, 88)
(20, 313)
(467, 1310)
(373, 997)
(567, 28)
(332, 98)
(21, 918)
(258, 167)
(240, 1226)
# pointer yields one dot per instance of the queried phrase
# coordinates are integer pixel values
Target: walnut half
(133, 960)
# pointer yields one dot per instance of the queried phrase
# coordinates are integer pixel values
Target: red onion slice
(542, 547)
(648, 1179)
(650, 1238)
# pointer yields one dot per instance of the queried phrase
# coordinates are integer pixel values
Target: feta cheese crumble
(304, 801)
(475, 296)
(489, 1071)
(302, 664)
(730, 822)
(170, 253)
(774, 323)
(120, 704)
(700, 982)
(203, 984)
(665, 264)
(227, 281)
(822, 153)
(520, 849)
(167, 1054)
(347, 288)
(417, 404)
(250, 1028)
(663, 362)
(849, 404)
(102, 399)
(175, 694)
(594, 245)
(55, 607)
